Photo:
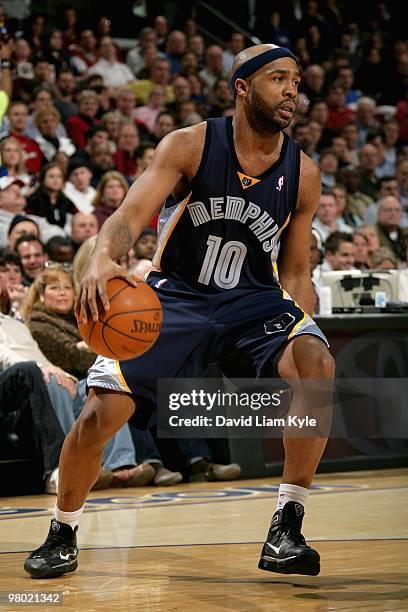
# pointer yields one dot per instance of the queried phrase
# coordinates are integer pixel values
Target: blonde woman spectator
(50, 143)
(373, 240)
(110, 193)
(12, 160)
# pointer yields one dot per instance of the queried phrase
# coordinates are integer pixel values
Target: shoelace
(51, 541)
(292, 528)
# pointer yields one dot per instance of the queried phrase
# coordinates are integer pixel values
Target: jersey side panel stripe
(168, 229)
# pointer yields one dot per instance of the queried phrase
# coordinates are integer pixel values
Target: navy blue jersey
(226, 233)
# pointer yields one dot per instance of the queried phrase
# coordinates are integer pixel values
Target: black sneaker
(285, 550)
(57, 555)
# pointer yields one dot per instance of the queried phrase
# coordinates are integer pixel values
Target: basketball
(131, 325)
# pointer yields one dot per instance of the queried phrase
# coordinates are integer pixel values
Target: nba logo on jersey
(280, 184)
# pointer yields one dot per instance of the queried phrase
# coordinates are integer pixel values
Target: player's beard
(262, 116)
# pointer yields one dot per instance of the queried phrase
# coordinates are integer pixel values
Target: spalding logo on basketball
(131, 325)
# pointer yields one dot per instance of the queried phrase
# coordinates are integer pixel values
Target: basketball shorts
(201, 329)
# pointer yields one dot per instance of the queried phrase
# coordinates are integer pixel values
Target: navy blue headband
(255, 63)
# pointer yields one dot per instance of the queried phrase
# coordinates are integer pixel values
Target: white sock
(69, 518)
(291, 492)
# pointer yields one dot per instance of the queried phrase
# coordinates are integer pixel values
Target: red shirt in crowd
(124, 162)
(77, 127)
(33, 157)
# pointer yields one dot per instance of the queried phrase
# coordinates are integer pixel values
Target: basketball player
(240, 188)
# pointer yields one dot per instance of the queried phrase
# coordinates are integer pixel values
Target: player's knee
(312, 359)
(88, 431)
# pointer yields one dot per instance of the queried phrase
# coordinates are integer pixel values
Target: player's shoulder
(308, 168)
(184, 146)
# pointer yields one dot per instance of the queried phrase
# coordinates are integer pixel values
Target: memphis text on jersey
(234, 208)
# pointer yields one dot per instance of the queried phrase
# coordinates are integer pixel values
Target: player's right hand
(94, 283)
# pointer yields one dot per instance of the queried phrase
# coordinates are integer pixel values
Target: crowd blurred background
(88, 91)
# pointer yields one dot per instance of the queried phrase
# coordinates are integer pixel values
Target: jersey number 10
(224, 266)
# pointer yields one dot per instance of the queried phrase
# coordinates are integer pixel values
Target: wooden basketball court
(196, 547)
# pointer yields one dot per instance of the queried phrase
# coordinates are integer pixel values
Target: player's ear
(241, 87)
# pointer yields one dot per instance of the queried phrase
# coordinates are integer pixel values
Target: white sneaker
(51, 482)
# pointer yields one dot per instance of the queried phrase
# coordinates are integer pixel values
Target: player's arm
(175, 157)
(293, 261)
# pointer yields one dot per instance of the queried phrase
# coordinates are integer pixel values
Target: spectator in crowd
(146, 245)
(12, 291)
(365, 117)
(134, 59)
(150, 54)
(126, 106)
(23, 66)
(340, 193)
(85, 54)
(64, 102)
(49, 200)
(373, 241)
(48, 311)
(12, 203)
(328, 164)
(78, 187)
(33, 257)
(21, 226)
(59, 250)
(361, 254)
(95, 136)
(18, 120)
(79, 125)
(165, 124)
(101, 161)
(222, 97)
(339, 113)
(113, 72)
(176, 45)
(390, 233)
(313, 82)
(339, 252)
(43, 98)
(143, 155)
(391, 132)
(345, 77)
(110, 193)
(196, 44)
(159, 75)
(57, 57)
(234, 46)
(12, 160)
(388, 187)
(369, 162)
(155, 105)
(47, 121)
(384, 259)
(124, 157)
(327, 219)
(111, 123)
(83, 227)
(358, 202)
(161, 27)
(350, 133)
(214, 67)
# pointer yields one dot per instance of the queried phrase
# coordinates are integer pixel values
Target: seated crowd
(83, 121)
